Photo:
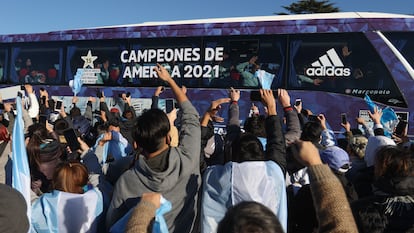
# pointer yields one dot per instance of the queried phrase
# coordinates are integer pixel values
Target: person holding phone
(172, 171)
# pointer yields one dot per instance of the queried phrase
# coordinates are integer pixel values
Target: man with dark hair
(249, 216)
(172, 171)
(250, 173)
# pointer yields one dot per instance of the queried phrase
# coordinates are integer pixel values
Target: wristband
(234, 102)
(287, 109)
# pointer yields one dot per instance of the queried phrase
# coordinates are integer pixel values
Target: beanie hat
(358, 144)
(336, 158)
(373, 145)
(13, 215)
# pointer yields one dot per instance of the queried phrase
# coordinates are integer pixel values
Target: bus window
(3, 65)
(404, 42)
(36, 65)
(257, 62)
(340, 63)
(99, 65)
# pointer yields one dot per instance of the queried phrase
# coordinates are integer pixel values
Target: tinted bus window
(344, 63)
(404, 42)
(97, 64)
(36, 65)
(3, 65)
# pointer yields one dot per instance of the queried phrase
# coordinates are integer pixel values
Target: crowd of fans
(276, 173)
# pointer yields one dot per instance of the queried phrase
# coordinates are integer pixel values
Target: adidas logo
(328, 65)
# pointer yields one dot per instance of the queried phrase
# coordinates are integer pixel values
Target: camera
(297, 102)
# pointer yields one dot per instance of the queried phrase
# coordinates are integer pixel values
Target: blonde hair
(358, 144)
(70, 177)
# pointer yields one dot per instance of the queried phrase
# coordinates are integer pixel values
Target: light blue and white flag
(20, 163)
(76, 83)
(389, 118)
(265, 79)
(58, 212)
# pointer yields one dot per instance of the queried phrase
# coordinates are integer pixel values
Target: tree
(311, 6)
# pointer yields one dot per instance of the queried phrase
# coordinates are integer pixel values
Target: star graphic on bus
(89, 59)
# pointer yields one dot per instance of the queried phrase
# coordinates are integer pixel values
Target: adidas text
(328, 71)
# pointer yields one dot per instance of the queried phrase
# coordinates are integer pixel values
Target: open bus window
(97, 65)
(343, 63)
(36, 65)
(256, 62)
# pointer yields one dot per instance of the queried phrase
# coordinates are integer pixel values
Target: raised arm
(293, 129)
(331, 205)
(190, 132)
(276, 146)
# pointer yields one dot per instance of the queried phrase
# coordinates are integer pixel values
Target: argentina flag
(20, 163)
(76, 83)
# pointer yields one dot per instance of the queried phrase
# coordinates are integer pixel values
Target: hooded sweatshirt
(178, 183)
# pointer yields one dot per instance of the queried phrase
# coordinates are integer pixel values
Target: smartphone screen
(58, 105)
(343, 118)
(42, 119)
(313, 118)
(400, 128)
(169, 105)
(297, 102)
(71, 139)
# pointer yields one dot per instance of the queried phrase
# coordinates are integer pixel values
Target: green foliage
(311, 6)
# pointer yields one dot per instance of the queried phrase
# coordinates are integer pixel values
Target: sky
(29, 16)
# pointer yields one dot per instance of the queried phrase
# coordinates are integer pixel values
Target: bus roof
(258, 25)
(339, 15)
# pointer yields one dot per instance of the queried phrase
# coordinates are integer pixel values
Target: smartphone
(169, 105)
(256, 96)
(400, 128)
(71, 139)
(343, 118)
(42, 119)
(99, 93)
(58, 105)
(313, 118)
(297, 102)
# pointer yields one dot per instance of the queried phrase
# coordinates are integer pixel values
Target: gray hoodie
(179, 183)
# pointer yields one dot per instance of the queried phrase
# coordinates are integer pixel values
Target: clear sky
(30, 16)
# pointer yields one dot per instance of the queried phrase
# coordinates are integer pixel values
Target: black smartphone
(71, 139)
(169, 105)
(42, 119)
(99, 93)
(58, 105)
(343, 118)
(400, 128)
(313, 118)
(255, 96)
(297, 102)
